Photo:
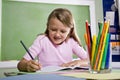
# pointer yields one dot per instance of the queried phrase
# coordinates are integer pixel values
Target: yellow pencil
(103, 45)
(93, 49)
(101, 57)
(99, 47)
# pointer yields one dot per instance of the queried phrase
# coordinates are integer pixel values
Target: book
(58, 68)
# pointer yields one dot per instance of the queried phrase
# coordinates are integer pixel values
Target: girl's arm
(28, 66)
(78, 63)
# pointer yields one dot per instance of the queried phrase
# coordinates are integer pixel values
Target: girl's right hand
(32, 66)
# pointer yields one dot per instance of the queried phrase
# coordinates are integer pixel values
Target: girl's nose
(57, 34)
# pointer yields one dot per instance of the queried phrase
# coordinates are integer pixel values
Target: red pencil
(88, 37)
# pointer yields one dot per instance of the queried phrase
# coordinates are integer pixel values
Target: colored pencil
(104, 32)
(93, 50)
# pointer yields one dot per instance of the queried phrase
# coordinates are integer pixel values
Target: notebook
(57, 68)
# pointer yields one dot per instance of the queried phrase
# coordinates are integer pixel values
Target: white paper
(112, 37)
(57, 68)
(110, 16)
(8, 64)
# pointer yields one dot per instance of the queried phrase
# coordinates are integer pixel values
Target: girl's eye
(53, 29)
(63, 31)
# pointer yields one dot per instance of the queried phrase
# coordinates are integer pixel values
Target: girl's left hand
(78, 63)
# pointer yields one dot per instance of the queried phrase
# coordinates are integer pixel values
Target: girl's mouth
(57, 38)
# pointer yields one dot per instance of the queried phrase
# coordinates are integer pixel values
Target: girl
(56, 46)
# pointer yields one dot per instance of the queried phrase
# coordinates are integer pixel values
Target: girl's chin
(57, 43)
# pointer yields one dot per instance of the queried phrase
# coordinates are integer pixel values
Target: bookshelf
(113, 6)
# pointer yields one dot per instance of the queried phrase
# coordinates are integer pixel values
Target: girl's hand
(78, 63)
(32, 66)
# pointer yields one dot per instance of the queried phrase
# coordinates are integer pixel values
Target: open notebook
(57, 68)
(47, 69)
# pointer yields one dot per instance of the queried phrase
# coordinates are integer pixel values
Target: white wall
(0, 25)
(119, 11)
(98, 12)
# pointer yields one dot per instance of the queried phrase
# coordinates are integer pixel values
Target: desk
(41, 77)
(35, 76)
(2, 70)
(115, 74)
(8, 66)
(69, 76)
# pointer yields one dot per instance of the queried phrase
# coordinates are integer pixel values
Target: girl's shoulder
(72, 41)
(42, 37)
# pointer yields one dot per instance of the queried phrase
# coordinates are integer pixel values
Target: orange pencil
(100, 45)
(86, 41)
(85, 37)
(102, 49)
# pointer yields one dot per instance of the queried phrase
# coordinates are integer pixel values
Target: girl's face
(58, 32)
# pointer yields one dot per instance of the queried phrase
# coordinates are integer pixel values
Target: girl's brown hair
(64, 16)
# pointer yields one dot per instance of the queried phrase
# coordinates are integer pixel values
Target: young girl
(57, 45)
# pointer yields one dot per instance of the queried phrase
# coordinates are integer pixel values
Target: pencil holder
(98, 47)
(100, 57)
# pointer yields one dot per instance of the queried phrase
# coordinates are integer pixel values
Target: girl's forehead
(55, 22)
(53, 19)
(59, 28)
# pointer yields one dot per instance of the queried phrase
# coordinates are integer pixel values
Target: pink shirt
(54, 55)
